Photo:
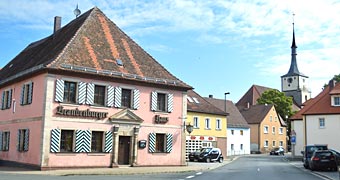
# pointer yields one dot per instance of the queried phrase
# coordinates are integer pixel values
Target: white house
(320, 119)
(238, 130)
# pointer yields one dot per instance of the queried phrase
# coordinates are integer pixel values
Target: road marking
(199, 173)
(189, 177)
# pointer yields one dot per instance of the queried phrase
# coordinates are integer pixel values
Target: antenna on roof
(77, 11)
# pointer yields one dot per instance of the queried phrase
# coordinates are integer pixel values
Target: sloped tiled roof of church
(251, 96)
(91, 44)
(235, 118)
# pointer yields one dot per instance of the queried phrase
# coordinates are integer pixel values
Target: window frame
(161, 106)
(127, 102)
(281, 143)
(281, 130)
(322, 123)
(274, 143)
(27, 94)
(21, 139)
(97, 143)
(241, 132)
(336, 100)
(6, 138)
(266, 143)
(99, 96)
(207, 125)
(7, 99)
(232, 132)
(273, 130)
(218, 124)
(265, 129)
(64, 143)
(160, 143)
(67, 91)
(196, 122)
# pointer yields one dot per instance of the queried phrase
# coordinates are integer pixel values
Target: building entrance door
(124, 150)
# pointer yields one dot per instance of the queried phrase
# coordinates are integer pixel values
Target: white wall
(297, 126)
(330, 134)
(237, 140)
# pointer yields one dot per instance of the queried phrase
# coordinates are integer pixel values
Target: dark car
(308, 152)
(277, 151)
(207, 155)
(323, 160)
(337, 155)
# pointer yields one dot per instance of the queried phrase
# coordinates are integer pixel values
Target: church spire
(293, 70)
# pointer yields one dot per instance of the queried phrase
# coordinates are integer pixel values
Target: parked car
(277, 151)
(308, 152)
(323, 159)
(207, 155)
(337, 155)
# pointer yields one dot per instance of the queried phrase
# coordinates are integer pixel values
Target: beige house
(267, 129)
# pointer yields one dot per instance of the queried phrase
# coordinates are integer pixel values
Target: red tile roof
(200, 105)
(235, 118)
(91, 44)
(251, 96)
(255, 114)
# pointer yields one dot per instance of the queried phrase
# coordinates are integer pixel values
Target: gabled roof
(90, 44)
(321, 104)
(197, 103)
(251, 96)
(255, 114)
(235, 118)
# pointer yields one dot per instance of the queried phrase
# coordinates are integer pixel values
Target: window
(6, 99)
(274, 143)
(161, 102)
(26, 93)
(97, 141)
(23, 135)
(196, 122)
(160, 142)
(232, 132)
(218, 124)
(66, 141)
(280, 130)
(5, 140)
(241, 147)
(271, 118)
(99, 95)
(241, 132)
(207, 123)
(70, 91)
(126, 98)
(266, 129)
(273, 130)
(281, 143)
(336, 101)
(321, 122)
(232, 147)
(266, 143)
(275, 118)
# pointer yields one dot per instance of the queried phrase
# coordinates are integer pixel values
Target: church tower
(294, 83)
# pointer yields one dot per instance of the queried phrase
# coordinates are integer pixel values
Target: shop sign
(159, 119)
(81, 113)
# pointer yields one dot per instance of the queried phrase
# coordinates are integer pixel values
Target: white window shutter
(55, 140)
(170, 102)
(152, 142)
(90, 94)
(169, 140)
(108, 141)
(118, 97)
(81, 92)
(153, 101)
(136, 95)
(59, 90)
(110, 96)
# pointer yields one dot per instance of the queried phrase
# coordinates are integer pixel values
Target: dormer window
(336, 100)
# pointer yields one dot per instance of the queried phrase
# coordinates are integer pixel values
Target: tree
(282, 103)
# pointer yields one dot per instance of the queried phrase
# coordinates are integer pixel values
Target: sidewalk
(122, 170)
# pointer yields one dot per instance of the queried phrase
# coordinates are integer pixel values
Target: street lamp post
(225, 101)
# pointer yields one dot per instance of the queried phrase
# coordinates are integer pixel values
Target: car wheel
(305, 166)
(208, 160)
(191, 160)
(220, 160)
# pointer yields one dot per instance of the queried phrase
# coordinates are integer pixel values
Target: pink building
(89, 96)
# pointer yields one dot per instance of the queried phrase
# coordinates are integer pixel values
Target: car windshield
(323, 154)
(311, 149)
(206, 149)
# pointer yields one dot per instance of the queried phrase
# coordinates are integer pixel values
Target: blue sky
(216, 46)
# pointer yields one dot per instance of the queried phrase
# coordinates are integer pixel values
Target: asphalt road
(261, 167)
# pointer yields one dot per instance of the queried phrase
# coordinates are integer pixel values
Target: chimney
(211, 96)
(331, 83)
(57, 23)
